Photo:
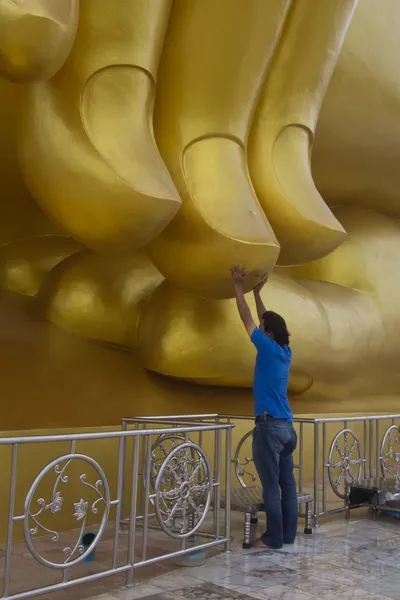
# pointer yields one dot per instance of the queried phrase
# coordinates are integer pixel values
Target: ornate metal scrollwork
(183, 490)
(340, 467)
(34, 518)
(161, 448)
(242, 464)
(390, 454)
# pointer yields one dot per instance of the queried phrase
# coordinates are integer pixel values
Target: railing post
(13, 481)
(142, 482)
(124, 440)
(217, 462)
(316, 475)
(228, 489)
(365, 448)
(120, 488)
(217, 484)
(377, 447)
(371, 449)
(132, 518)
(324, 467)
(147, 473)
(301, 442)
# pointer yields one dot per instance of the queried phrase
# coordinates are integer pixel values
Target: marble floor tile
(177, 580)
(140, 591)
(250, 563)
(379, 587)
(327, 544)
(248, 582)
(391, 545)
(386, 552)
(208, 591)
(270, 576)
(213, 573)
(311, 565)
(329, 571)
(359, 538)
(359, 594)
(281, 592)
(354, 524)
(364, 562)
(319, 587)
(287, 558)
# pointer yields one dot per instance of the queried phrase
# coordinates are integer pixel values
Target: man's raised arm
(238, 276)
(259, 303)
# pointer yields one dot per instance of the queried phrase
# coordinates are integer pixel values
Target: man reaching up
(274, 438)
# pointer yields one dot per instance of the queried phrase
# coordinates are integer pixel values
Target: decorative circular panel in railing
(183, 490)
(243, 460)
(345, 462)
(163, 445)
(40, 515)
(161, 448)
(390, 454)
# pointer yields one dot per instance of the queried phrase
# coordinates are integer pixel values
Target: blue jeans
(273, 445)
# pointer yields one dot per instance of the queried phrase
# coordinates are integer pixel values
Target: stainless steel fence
(164, 477)
(349, 450)
(163, 469)
(331, 453)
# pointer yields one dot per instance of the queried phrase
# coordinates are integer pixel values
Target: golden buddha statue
(147, 145)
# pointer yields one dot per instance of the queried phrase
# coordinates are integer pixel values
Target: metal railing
(344, 450)
(159, 467)
(339, 451)
(167, 473)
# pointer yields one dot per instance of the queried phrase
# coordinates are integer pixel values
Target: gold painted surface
(204, 353)
(225, 178)
(284, 127)
(36, 37)
(100, 296)
(202, 121)
(20, 216)
(24, 263)
(51, 378)
(322, 318)
(86, 144)
(342, 312)
(355, 159)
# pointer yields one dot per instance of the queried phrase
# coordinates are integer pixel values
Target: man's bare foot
(260, 544)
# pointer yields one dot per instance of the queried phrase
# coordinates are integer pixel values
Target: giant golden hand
(237, 98)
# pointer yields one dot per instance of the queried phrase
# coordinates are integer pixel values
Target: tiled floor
(28, 574)
(341, 560)
(359, 559)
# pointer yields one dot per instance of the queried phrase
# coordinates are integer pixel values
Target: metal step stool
(249, 500)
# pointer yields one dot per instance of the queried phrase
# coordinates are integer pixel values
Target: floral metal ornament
(33, 523)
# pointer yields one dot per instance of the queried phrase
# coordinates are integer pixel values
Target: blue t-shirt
(271, 376)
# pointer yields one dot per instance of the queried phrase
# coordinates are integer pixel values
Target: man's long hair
(275, 324)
